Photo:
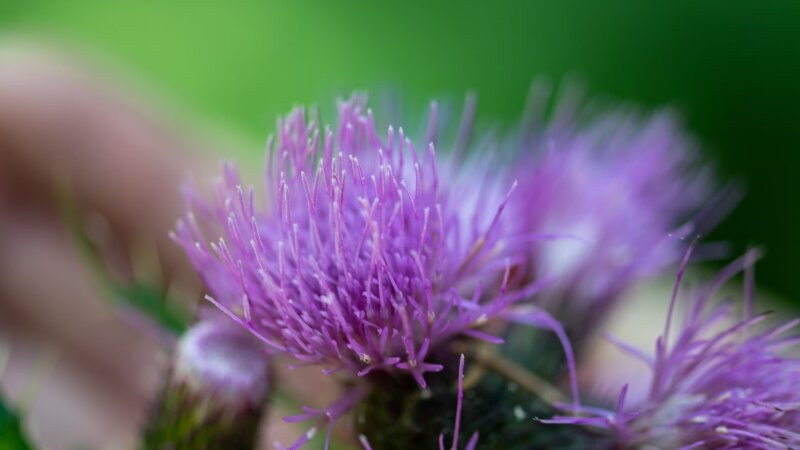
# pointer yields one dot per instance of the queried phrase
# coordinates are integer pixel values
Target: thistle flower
(613, 186)
(363, 260)
(216, 391)
(724, 382)
(367, 257)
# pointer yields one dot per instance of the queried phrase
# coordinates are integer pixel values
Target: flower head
(612, 188)
(364, 256)
(723, 382)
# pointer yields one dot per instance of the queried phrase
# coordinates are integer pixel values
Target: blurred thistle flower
(216, 393)
(611, 187)
(723, 382)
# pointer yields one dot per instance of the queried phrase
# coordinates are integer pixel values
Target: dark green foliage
(12, 436)
(398, 415)
(536, 350)
(182, 421)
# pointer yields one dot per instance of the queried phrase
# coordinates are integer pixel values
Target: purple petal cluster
(363, 255)
(723, 382)
(615, 188)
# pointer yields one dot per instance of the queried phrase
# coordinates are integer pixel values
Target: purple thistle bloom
(611, 188)
(723, 382)
(365, 257)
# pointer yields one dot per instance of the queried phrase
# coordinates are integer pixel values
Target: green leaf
(152, 303)
(12, 436)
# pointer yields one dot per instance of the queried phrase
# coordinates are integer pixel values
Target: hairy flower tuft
(363, 258)
(723, 382)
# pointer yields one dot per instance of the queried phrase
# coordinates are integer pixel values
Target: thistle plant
(381, 257)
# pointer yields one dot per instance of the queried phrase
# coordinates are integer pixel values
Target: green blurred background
(731, 68)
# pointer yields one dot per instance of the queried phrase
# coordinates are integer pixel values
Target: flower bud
(215, 394)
